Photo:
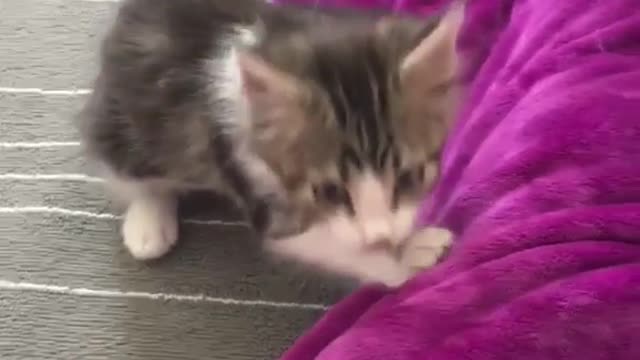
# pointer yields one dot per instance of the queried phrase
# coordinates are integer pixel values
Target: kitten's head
(349, 116)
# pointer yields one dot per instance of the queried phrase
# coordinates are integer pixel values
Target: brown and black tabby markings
(299, 114)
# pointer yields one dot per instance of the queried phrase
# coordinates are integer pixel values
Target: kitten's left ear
(434, 60)
(428, 76)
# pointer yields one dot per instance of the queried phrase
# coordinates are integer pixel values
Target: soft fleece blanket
(541, 185)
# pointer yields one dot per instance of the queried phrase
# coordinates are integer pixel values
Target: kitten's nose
(377, 234)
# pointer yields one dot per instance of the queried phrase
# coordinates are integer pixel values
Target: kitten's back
(150, 111)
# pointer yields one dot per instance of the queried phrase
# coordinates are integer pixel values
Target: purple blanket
(541, 185)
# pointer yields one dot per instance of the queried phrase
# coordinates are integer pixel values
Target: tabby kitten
(325, 126)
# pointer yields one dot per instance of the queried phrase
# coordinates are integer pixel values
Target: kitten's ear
(274, 100)
(262, 82)
(433, 60)
(428, 77)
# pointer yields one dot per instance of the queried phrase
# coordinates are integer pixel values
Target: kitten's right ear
(262, 82)
(274, 99)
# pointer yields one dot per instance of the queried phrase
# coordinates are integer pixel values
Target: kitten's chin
(340, 253)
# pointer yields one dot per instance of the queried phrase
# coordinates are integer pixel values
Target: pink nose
(377, 235)
(380, 244)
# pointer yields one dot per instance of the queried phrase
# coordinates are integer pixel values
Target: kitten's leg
(334, 247)
(150, 227)
(425, 248)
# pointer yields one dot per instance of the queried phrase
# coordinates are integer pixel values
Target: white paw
(150, 227)
(393, 277)
(425, 248)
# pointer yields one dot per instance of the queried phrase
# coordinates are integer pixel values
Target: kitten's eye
(420, 173)
(435, 157)
(329, 192)
(405, 180)
(333, 194)
(410, 178)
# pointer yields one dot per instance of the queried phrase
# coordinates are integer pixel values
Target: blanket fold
(541, 186)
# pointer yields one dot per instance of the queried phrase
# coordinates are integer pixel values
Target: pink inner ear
(254, 74)
(263, 79)
(436, 53)
(251, 84)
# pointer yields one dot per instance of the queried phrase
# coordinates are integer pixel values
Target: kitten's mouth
(390, 247)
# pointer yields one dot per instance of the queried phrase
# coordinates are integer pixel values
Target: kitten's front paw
(150, 227)
(425, 248)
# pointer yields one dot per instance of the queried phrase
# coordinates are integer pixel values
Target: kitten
(324, 126)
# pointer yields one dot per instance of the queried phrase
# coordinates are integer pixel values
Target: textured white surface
(65, 290)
